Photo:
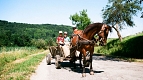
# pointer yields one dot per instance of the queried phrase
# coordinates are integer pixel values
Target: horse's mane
(92, 26)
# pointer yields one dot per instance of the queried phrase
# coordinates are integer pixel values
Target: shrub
(131, 47)
(39, 43)
(51, 42)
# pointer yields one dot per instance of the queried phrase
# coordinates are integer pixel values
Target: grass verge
(21, 67)
(130, 47)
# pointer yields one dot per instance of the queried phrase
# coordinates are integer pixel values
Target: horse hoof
(91, 73)
(83, 75)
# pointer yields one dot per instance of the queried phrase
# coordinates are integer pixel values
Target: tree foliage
(22, 34)
(121, 12)
(81, 20)
(140, 2)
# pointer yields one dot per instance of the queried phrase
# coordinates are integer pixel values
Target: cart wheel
(48, 59)
(57, 62)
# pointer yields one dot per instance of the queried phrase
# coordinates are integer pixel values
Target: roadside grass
(11, 49)
(130, 48)
(18, 64)
(9, 54)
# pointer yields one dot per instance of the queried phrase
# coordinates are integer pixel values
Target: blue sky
(58, 12)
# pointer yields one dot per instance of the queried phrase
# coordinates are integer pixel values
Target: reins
(81, 40)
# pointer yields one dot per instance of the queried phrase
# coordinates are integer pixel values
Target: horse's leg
(80, 58)
(83, 66)
(84, 63)
(91, 68)
(73, 57)
(74, 61)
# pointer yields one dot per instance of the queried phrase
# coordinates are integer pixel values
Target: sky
(58, 12)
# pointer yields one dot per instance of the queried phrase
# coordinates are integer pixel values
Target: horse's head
(104, 34)
(102, 39)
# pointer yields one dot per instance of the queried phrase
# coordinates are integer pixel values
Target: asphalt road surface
(104, 69)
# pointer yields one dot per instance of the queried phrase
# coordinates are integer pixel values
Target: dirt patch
(24, 59)
(19, 61)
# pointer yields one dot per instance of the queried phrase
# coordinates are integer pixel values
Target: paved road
(104, 68)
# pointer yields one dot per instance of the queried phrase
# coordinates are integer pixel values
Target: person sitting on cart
(66, 47)
(66, 38)
(60, 39)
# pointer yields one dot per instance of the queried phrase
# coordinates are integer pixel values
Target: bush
(51, 42)
(39, 43)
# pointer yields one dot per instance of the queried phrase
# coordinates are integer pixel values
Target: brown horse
(102, 35)
(83, 42)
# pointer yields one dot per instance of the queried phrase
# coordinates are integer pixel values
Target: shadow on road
(67, 65)
(97, 56)
(70, 67)
(104, 58)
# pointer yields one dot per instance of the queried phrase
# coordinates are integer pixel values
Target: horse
(102, 35)
(83, 42)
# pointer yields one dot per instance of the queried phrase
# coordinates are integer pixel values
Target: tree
(140, 2)
(120, 13)
(80, 20)
(21, 34)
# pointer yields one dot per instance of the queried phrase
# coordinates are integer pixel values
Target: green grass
(8, 55)
(16, 60)
(22, 70)
(8, 49)
(130, 47)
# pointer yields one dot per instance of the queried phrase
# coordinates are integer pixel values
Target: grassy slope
(131, 46)
(19, 63)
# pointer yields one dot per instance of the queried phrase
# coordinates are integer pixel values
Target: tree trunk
(118, 33)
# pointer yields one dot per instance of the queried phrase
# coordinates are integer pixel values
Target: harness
(82, 41)
(79, 42)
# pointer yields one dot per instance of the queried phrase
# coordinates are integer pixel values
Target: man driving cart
(60, 39)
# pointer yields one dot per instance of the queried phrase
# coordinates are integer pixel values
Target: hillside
(21, 34)
(131, 46)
